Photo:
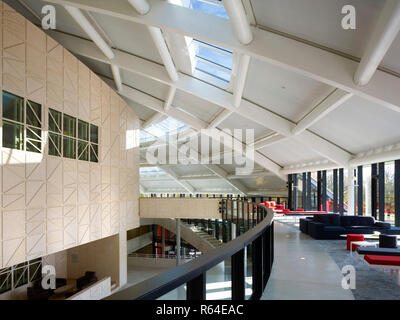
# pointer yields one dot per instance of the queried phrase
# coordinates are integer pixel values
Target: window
(5, 280)
(35, 269)
(20, 274)
(72, 138)
(22, 123)
(69, 128)
(94, 140)
(69, 147)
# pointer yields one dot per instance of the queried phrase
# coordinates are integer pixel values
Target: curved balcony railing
(193, 273)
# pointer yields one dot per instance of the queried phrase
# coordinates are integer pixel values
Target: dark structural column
(397, 193)
(324, 187)
(319, 190)
(360, 190)
(308, 191)
(335, 190)
(294, 193)
(257, 246)
(374, 189)
(382, 191)
(304, 196)
(238, 282)
(196, 288)
(341, 191)
(290, 191)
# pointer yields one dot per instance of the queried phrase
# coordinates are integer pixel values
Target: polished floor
(302, 269)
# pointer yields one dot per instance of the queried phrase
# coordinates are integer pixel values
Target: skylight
(213, 60)
(160, 129)
(214, 7)
(151, 171)
(212, 63)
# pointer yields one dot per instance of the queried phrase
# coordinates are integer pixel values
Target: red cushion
(285, 210)
(353, 237)
(300, 210)
(382, 260)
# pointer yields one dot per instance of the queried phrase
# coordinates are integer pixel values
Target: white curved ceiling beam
(86, 25)
(170, 97)
(240, 79)
(287, 53)
(155, 118)
(384, 33)
(238, 18)
(141, 6)
(200, 89)
(219, 118)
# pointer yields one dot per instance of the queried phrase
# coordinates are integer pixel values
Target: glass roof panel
(162, 128)
(151, 171)
(214, 7)
(213, 70)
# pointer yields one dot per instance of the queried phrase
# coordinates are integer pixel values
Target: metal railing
(193, 273)
(160, 256)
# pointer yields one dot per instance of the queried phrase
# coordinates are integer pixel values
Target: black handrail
(193, 272)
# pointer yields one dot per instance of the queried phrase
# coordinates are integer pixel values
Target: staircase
(212, 240)
(201, 240)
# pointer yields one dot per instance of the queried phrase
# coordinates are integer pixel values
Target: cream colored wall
(101, 256)
(191, 208)
(50, 203)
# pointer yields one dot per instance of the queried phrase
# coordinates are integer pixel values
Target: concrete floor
(302, 269)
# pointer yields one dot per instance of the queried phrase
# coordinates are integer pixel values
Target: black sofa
(88, 279)
(332, 225)
(378, 251)
(36, 291)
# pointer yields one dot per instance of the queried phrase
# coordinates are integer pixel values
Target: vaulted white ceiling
(299, 57)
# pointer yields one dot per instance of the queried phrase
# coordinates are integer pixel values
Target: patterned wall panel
(35, 64)
(70, 84)
(51, 203)
(13, 51)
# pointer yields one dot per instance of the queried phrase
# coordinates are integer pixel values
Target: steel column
(374, 189)
(335, 190)
(304, 195)
(341, 191)
(257, 268)
(290, 191)
(381, 191)
(360, 200)
(308, 191)
(397, 193)
(319, 191)
(238, 275)
(196, 288)
(324, 190)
